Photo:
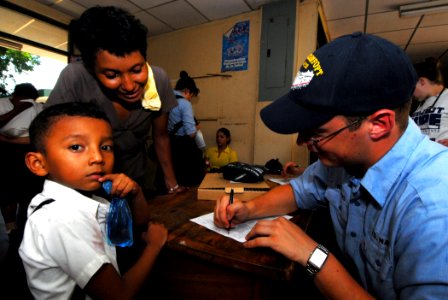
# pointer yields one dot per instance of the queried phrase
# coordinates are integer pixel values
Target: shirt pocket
(376, 252)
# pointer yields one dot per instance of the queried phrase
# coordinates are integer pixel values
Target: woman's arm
(163, 148)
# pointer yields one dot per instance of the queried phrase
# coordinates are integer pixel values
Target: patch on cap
(354, 75)
(304, 76)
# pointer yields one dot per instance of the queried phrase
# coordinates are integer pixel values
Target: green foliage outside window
(20, 61)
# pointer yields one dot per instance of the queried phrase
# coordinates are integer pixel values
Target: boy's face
(79, 150)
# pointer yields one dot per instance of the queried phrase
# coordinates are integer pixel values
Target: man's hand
(282, 236)
(291, 168)
(224, 212)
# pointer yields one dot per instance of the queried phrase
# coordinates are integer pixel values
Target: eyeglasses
(316, 141)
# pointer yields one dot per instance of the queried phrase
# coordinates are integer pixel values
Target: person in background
(199, 138)
(16, 122)
(350, 104)
(431, 114)
(221, 154)
(115, 75)
(65, 242)
(17, 183)
(22, 98)
(5, 105)
(187, 157)
(14, 144)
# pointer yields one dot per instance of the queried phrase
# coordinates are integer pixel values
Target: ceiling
(419, 36)
(162, 16)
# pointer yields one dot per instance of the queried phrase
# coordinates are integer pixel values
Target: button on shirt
(391, 223)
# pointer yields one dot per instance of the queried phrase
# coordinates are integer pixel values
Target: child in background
(65, 244)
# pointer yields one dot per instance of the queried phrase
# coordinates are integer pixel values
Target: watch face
(318, 258)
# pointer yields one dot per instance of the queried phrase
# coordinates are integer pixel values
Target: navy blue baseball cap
(354, 75)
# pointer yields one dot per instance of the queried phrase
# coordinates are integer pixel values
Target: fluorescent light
(10, 44)
(428, 7)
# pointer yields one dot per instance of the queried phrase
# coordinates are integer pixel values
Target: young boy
(64, 243)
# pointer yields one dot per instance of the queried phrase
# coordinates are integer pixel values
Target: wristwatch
(316, 260)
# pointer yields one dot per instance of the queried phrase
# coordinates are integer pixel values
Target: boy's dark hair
(430, 69)
(25, 90)
(186, 82)
(107, 28)
(42, 124)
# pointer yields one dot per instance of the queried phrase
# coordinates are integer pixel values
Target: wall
(222, 102)
(285, 145)
(307, 24)
(233, 102)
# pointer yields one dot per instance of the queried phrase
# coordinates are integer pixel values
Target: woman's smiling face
(126, 76)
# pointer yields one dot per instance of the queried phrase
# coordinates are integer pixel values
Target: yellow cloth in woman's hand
(151, 99)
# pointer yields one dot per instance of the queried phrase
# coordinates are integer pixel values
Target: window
(25, 30)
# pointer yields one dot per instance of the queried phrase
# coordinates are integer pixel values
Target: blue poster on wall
(235, 48)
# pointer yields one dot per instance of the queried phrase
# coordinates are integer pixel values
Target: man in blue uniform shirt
(383, 181)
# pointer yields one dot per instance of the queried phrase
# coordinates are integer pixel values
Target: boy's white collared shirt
(64, 242)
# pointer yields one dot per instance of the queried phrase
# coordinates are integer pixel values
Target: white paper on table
(281, 181)
(237, 233)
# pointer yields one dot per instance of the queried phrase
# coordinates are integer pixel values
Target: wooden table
(197, 263)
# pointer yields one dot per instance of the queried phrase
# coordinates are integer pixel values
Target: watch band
(316, 260)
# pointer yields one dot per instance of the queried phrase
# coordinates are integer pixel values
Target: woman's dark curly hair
(107, 28)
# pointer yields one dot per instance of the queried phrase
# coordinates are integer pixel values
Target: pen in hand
(230, 203)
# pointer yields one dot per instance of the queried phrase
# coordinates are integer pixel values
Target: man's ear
(423, 81)
(35, 161)
(382, 122)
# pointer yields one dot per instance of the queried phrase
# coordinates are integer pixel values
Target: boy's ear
(35, 161)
